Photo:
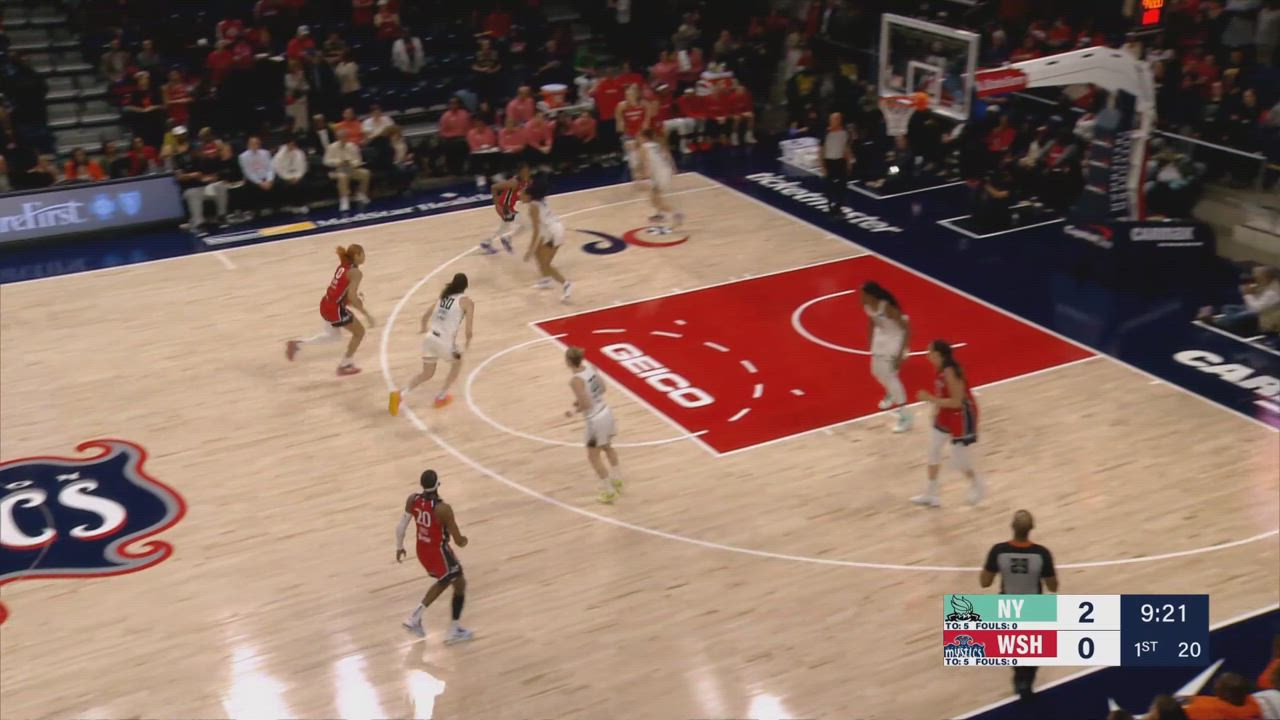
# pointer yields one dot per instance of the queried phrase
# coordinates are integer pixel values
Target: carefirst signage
(97, 207)
(798, 193)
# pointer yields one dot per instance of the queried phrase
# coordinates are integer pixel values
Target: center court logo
(797, 192)
(83, 517)
(645, 237)
(963, 646)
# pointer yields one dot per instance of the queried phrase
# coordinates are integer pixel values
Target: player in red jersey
(741, 110)
(631, 116)
(505, 196)
(955, 419)
(435, 525)
(343, 290)
(693, 107)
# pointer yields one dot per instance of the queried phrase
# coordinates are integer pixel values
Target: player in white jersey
(451, 313)
(656, 164)
(889, 331)
(548, 236)
(588, 399)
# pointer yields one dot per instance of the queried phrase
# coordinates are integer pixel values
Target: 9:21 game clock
(1164, 630)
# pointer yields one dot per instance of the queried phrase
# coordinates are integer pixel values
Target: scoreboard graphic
(1075, 630)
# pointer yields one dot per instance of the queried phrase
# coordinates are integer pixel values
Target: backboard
(920, 56)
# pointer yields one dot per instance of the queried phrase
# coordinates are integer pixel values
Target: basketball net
(898, 109)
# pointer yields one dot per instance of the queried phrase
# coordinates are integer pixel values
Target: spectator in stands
(148, 59)
(455, 125)
(319, 137)
(1268, 695)
(512, 141)
(540, 136)
(1267, 38)
(1028, 51)
(144, 112)
(687, 34)
(296, 91)
(483, 143)
(1267, 678)
(218, 63)
(666, 71)
(176, 142)
(290, 166)
(142, 158)
(79, 168)
(1230, 701)
(1000, 139)
(1261, 306)
(345, 163)
(522, 106)
(724, 47)
(407, 55)
(42, 174)
(362, 13)
(376, 125)
(177, 97)
(115, 62)
(334, 48)
(301, 46)
(554, 66)
(585, 130)
(351, 125)
(741, 109)
(402, 162)
(386, 22)
(1164, 707)
(347, 72)
(229, 28)
(113, 163)
(497, 24)
(486, 68)
(197, 175)
(259, 174)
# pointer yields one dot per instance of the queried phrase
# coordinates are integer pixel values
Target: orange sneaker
(442, 400)
(348, 370)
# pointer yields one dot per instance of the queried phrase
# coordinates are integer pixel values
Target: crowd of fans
(377, 104)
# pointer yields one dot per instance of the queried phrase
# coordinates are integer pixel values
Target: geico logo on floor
(1239, 375)
(658, 376)
(794, 190)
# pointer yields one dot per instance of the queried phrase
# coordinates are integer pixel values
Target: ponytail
(943, 348)
(457, 285)
(575, 356)
(348, 254)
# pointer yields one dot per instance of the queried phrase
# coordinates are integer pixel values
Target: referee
(1025, 568)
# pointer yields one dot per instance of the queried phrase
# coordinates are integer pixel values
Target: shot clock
(1079, 630)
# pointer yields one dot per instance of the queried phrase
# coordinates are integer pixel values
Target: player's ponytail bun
(348, 254)
(575, 356)
(873, 289)
(457, 285)
(943, 348)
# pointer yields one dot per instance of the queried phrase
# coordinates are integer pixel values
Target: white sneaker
(885, 403)
(977, 492)
(457, 635)
(362, 199)
(733, 140)
(344, 204)
(415, 628)
(903, 424)
(543, 284)
(568, 289)
(480, 181)
(932, 501)
(751, 138)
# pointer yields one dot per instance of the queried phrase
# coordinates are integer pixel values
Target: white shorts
(661, 179)
(601, 428)
(435, 347)
(553, 235)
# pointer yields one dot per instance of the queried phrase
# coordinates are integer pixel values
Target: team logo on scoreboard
(646, 237)
(83, 517)
(963, 646)
(962, 610)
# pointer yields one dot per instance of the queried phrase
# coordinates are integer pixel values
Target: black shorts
(344, 316)
(508, 215)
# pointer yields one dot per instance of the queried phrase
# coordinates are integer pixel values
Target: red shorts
(439, 561)
(960, 423)
(336, 314)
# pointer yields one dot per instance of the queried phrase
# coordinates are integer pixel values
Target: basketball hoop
(898, 109)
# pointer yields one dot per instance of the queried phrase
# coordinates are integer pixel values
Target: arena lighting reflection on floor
(357, 698)
(424, 688)
(765, 706)
(252, 692)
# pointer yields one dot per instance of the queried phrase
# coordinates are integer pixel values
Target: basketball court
(763, 562)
